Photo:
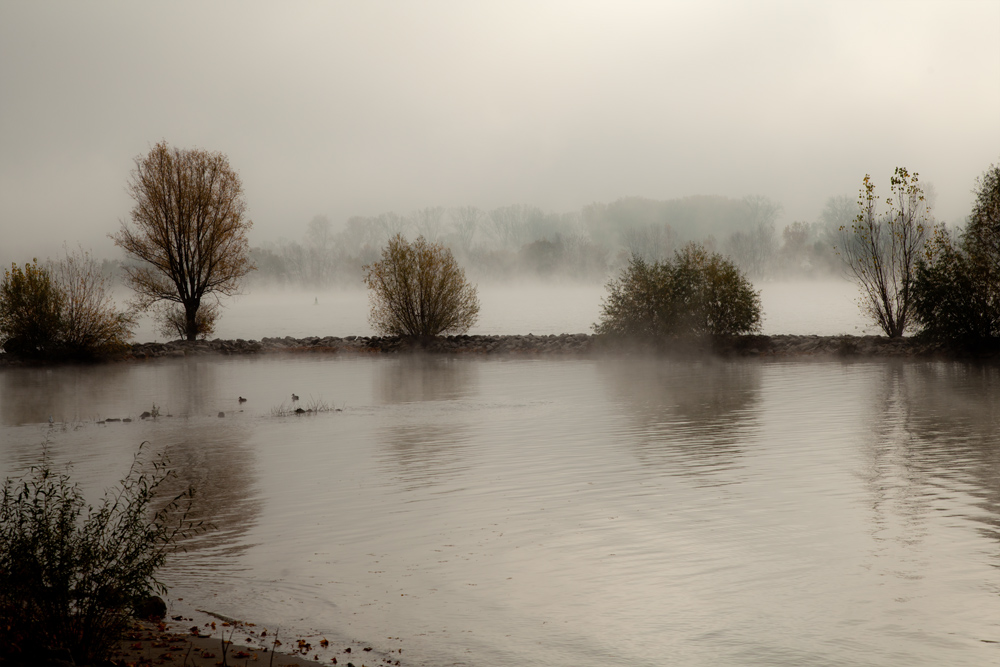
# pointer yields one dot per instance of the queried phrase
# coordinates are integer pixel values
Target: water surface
(566, 512)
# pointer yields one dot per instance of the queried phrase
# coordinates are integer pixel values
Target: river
(633, 511)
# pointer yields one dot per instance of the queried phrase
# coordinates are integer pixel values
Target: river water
(629, 510)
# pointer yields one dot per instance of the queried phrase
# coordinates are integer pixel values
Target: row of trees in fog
(521, 241)
(186, 239)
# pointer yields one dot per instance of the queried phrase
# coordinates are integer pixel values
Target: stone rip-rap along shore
(580, 344)
(565, 344)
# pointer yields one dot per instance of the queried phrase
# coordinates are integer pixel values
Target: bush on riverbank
(956, 292)
(30, 310)
(697, 293)
(62, 311)
(70, 574)
(418, 289)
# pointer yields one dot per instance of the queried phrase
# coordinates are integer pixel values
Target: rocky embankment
(564, 344)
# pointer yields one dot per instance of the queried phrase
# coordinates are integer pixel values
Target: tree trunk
(191, 319)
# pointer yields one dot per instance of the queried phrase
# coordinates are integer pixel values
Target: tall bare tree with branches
(881, 250)
(189, 232)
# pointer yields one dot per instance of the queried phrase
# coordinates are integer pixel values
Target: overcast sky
(341, 109)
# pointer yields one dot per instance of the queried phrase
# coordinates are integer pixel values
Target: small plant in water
(314, 406)
(69, 573)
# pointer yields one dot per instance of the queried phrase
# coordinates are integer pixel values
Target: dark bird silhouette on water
(294, 397)
(242, 400)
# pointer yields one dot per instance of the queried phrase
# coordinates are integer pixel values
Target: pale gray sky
(356, 108)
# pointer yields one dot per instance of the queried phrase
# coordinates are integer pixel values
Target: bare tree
(653, 243)
(754, 249)
(881, 251)
(761, 210)
(390, 225)
(467, 221)
(361, 236)
(320, 240)
(838, 212)
(90, 320)
(509, 224)
(794, 252)
(187, 230)
(429, 222)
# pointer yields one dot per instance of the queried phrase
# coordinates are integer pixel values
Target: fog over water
(356, 109)
(823, 307)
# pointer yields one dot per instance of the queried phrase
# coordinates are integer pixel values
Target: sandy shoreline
(165, 644)
(204, 639)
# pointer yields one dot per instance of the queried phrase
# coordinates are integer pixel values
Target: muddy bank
(784, 346)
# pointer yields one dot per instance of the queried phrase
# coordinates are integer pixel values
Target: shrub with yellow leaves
(418, 289)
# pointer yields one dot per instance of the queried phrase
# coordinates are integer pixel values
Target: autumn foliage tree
(882, 250)
(697, 293)
(63, 309)
(30, 310)
(418, 289)
(957, 286)
(188, 232)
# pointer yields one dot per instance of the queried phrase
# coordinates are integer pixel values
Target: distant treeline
(589, 245)
(521, 241)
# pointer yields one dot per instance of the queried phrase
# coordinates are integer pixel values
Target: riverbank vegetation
(881, 250)
(941, 284)
(956, 290)
(418, 289)
(697, 293)
(944, 288)
(61, 311)
(70, 574)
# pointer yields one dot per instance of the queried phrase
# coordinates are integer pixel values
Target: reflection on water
(935, 435)
(689, 419)
(423, 447)
(420, 378)
(567, 512)
(192, 386)
(424, 454)
(69, 394)
(214, 459)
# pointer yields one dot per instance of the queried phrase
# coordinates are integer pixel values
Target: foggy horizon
(343, 110)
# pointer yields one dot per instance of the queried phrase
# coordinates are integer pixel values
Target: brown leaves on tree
(187, 230)
(418, 289)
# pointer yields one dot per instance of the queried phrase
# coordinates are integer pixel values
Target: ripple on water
(574, 512)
